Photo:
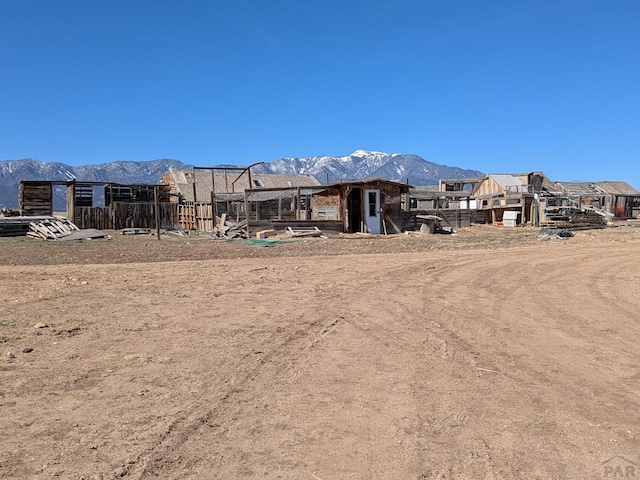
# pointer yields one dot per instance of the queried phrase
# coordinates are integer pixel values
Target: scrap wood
(303, 231)
(46, 229)
(395, 226)
(59, 228)
(84, 234)
(230, 230)
(136, 231)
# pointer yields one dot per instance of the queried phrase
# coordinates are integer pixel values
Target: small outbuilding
(356, 206)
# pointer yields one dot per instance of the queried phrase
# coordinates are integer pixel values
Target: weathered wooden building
(100, 205)
(450, 200)
(537, 200)
(204, 193)
(616, 200)
(499, 193)
(359, 206)
(372, 205)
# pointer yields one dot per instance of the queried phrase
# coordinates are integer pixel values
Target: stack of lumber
(51, 229)
(573, 219)
(14, 226)
(59, 228)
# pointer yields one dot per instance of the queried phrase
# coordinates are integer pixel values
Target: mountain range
(359, 165)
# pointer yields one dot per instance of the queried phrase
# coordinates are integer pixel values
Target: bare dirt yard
(491, 354)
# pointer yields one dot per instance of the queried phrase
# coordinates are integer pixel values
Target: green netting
(259, 243)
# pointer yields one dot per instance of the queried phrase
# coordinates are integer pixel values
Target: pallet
(59, 228)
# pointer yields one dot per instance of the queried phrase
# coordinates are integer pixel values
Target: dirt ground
(490, 354)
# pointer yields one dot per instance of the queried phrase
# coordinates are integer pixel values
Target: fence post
(157, 203)
(246, 211)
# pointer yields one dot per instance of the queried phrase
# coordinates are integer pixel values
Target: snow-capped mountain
(359, 165)
(368, 164)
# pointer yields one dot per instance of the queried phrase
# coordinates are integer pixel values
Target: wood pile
(59, 228)
(573, 219)
(51, 229)
(16, 226)
(229, 230)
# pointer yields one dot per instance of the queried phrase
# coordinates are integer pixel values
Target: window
(373, 211)
(257, 183)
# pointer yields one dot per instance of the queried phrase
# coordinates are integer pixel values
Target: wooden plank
(87, 234)
(303, 232)
(395, 226)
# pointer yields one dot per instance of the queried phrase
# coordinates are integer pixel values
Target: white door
(372, 210)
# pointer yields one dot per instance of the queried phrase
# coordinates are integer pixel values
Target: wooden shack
(101, 205)
(205, 193)
(36, 197)
(614, 200)
(371, 205)
(358, 206)
(450, 200)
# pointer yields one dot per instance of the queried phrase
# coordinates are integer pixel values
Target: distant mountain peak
(367, 164)
(367, 153)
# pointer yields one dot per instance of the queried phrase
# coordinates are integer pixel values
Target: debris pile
(546, 233)
(573, 218)
(229, 230)
(8, 212)
(59, 228)
(136, 231)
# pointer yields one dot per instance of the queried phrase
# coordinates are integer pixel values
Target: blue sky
(495, 85)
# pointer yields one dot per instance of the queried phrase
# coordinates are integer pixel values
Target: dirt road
(514, 359)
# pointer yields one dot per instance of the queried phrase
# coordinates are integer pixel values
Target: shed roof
(232, 182)
(506, 180)
(403, 186)
(598, 188)
(618, 188)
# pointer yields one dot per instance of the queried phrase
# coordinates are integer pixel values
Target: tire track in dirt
(525, 371)
(278, 359)
(490, 319)
(433, 352)
(356, 365)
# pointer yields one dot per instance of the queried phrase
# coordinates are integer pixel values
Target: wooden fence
(121, 215)
(454, 218)
(199, 215)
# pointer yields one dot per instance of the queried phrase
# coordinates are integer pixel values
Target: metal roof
(505, 181)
